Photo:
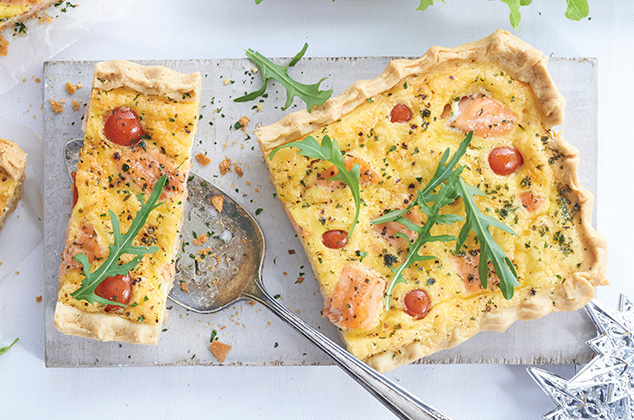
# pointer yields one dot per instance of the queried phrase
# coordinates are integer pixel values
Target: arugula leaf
(122, 245)
(310, 94)
(447, 177)
(577, 9)
(329, 150)
(515, 16)
(424, 4)
(489, 249)
(443, 172)
(445, 196)
(3, 350)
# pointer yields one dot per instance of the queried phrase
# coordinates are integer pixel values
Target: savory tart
(12, 165)
(491, 103)
(16, 11)
(140, 126)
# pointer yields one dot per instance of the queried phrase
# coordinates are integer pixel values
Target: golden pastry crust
(103, 326)
(150, 80)
(12, 166)
(526, 64)
(170, 128)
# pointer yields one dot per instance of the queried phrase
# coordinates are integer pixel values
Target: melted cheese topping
(405, 155)
(109, 178)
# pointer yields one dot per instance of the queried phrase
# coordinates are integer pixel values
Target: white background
(214, 29)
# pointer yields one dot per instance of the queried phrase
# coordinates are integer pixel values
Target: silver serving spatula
(232, 271)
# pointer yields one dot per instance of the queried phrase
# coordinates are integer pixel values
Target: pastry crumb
(184, 287)
(4, 46)
(300, 280)
(202, 159)
(238, 170)
(56, 106)
(218, 201)
(38, 299)
(37, 80)
(45, 18)
(259, 107)
(244, 122)
(227, 82)
(71, 88)
(220, 350)
(201, 239)
(75, 105)
(225, 166)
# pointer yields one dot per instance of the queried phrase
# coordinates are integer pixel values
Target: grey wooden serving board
(257, 336)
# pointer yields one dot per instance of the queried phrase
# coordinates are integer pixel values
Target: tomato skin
(117, 289)
(505, 160)
(400, 114)
(75, 192)
(417, 304)
(123, 126)
(335, 239)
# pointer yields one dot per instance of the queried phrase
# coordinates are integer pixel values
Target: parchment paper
(23, 229)
(43, 41)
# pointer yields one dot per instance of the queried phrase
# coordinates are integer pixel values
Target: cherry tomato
(400, 114)
(417, 304)
(505, 160)
(117, 289)
(75, 192)
(123, 126)
(335, 239)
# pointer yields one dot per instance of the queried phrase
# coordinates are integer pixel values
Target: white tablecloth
(215, 29)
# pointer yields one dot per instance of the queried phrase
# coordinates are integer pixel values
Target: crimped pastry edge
(149, 80)
(526, 64)
(111, 327)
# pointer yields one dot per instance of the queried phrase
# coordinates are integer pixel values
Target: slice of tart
(140, 126)
(16, 11)
(395, 129)
(12, 165)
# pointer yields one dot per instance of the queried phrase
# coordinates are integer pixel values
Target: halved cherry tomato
(400, 114)
(505, 160)
(75, 192)
(335, 239)
(417, 304)
(123, 126)
(117, 289)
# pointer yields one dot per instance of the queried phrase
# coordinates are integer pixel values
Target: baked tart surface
(140, 126)
(396, 128)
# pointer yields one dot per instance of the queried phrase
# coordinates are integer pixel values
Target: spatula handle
(397, 399)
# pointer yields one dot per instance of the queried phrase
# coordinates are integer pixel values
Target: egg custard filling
(140, 126)
(395, 129)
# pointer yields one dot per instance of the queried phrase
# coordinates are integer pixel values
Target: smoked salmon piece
(368, 175)
(484, 116)
(358, 298)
